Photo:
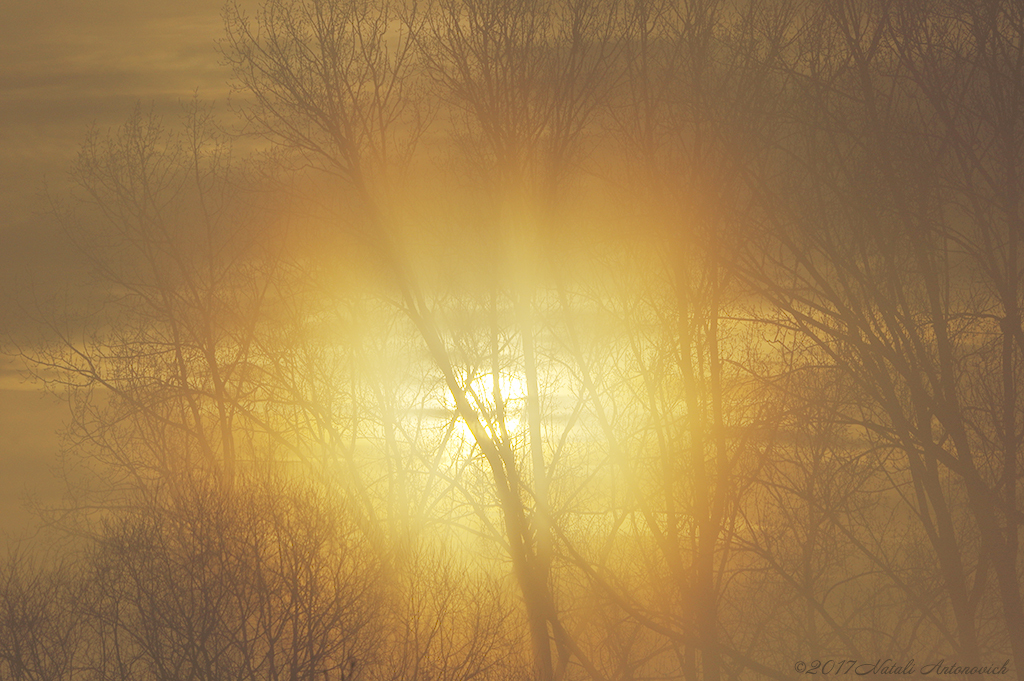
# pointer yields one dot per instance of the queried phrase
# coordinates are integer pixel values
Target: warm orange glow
(569, 340)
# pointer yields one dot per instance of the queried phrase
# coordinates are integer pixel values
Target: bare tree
(879, 271)
(161, 368)
(692, 116)
(41, 633)
(312, 67)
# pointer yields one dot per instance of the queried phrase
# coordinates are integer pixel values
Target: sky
(67, 66)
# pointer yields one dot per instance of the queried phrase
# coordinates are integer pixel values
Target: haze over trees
(585, 339)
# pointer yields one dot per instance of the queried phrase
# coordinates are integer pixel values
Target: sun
(512, 389)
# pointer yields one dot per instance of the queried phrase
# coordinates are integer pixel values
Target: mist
(593, 339)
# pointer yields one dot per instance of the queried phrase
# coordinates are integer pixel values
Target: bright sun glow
(480, 392)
